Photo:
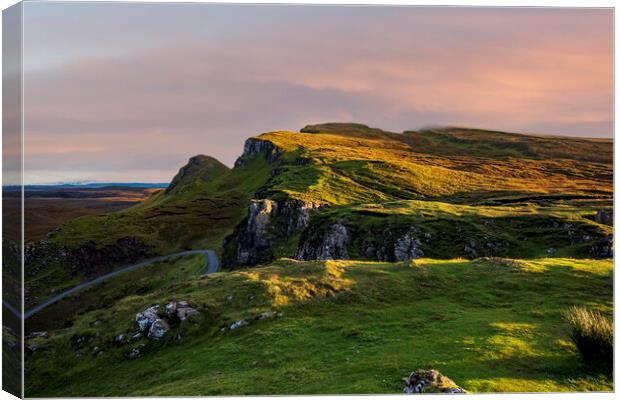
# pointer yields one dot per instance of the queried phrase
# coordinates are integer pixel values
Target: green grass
(166, 223)
(347, 327)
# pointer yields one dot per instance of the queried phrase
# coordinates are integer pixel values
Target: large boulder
(158, 329)
(430, 381)
(155, 324)
(146, 318)
(180, 310)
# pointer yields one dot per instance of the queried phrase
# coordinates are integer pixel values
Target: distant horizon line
(91, 183)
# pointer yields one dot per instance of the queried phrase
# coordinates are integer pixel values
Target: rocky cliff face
(336, 241)
(254, 147)
(330, 244)
(268, 222)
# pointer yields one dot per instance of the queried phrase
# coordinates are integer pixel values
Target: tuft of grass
(593, 334)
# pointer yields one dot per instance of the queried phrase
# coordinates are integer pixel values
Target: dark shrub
(593, 334)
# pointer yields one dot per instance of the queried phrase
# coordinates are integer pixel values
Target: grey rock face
(332, 246)
(407, 248)
(254, 147)
(267, 222)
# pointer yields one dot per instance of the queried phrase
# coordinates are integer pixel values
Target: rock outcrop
(147, 317)
(256, 146)
(331, 245)
(430, 381)
(155, 324)
(408, 248)
(267, 223)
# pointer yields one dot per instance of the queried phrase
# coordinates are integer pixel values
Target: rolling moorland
(350, 256)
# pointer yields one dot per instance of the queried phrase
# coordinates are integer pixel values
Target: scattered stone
(267, 314)
(551, 251)
(137, 335)
(97, 322)
(238, 324)
(120, 339)
(136, 351)
(34, 335)
(430, 381)
(32, 348)
(80, 340)
(99, 354)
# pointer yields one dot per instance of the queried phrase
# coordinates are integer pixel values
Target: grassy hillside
(345, 327)
(502, 227)
(517, 195)
(453, 165)
(196, 213)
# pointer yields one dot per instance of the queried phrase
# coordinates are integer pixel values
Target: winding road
(211, 265)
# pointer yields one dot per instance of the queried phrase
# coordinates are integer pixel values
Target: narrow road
(211, 265)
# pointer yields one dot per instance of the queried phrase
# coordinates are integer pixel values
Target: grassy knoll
(454, 164)
(346, 327)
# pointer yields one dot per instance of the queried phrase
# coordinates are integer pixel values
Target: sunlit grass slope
(451, 164)
(346, 327)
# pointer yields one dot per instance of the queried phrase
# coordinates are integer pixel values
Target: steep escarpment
(269, 226)
(370, 194)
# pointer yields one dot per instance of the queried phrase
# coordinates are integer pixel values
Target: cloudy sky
(128, 92)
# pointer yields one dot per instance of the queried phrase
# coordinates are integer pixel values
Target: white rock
(147, 317)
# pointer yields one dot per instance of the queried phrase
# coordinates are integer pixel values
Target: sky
(129, 92)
